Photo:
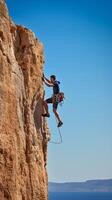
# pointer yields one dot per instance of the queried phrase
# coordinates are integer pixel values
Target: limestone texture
(24, 134)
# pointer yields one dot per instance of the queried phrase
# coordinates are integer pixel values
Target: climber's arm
(47, 80)
(48, 84)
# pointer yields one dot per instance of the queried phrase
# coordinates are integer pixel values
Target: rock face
(23, 132)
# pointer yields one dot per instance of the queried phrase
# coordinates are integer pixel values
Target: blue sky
(77, 37)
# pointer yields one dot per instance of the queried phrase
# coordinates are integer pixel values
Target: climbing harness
(60, 141)
(58, 98)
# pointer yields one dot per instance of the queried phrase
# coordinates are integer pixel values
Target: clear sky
(77, 36)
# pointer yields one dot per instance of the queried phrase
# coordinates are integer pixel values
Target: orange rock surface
(23, 132)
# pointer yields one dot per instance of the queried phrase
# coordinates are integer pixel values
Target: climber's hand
(43, 77)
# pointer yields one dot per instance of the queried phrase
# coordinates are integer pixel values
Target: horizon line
(110, 179)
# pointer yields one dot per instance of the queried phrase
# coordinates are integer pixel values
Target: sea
(80, 196)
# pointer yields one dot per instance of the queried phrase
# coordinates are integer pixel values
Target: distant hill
(87, 186)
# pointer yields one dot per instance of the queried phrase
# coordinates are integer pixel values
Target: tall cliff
(23, 132)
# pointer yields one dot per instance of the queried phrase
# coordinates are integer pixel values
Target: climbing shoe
(46, 115)
(60, 124)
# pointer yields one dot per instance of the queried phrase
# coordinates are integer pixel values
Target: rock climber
(56, 90)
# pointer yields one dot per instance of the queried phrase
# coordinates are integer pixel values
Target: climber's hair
(53, 76)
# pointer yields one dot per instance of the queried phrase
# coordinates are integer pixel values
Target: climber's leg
(55, 105)
(46, 109)
(45, 104)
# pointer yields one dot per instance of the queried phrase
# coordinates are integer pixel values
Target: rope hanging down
(60, 135)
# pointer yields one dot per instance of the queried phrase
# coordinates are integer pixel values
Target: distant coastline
(87, 186)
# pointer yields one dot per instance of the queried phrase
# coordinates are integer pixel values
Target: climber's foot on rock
(45, 164)
(60, 124)
(46, 115)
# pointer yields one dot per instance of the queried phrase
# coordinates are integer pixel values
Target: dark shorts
(55, 104)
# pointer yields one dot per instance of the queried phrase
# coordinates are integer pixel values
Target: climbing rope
(60, 141)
